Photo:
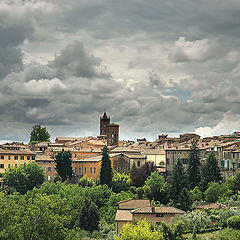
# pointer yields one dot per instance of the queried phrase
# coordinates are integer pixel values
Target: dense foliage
(39, 134)
(106, 173)
(24, 177)
(144, 230)
(210, 171)
(194, 175)
(139, 175)
(63, 162)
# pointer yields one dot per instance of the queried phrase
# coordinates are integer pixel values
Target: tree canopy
(106, 172)
(39, 134)
(194, 175)
(139, 175)
(63, 162)
(24, 177)
(210, 171)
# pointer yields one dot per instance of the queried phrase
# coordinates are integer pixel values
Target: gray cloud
(155, 66)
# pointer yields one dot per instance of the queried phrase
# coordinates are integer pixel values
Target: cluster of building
(86, 152)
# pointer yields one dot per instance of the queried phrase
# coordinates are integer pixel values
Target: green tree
(63, 162)
(106, 172)
(196, 194)
(142, 230)
(177, 181)
(215, 191)
(120, 182)
(86, 181)
(194, 175)
(184, 200)
(139, 175)
(39, 134)
(210, 171)
(155, 188)
(24, 177)
(88, 216)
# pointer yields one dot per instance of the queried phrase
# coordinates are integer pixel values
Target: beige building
(138, 209)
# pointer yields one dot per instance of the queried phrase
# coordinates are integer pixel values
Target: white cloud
(44, 86)
(199, 50)
(227, 125)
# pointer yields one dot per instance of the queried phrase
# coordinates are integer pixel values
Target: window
(9, 157)
(15, 157)
(90, 169)
(79, 171)
(22, 157)
(138, 163)
(28, 157)
(75, 155)
(94, 170)
(15, 165)
(9, 165)
(185, 161)
(1, 165)
(49, 169)
(49, 178)
(85, 169)
(159, 215)
(33, 157)
(75, 170)
(2, 157)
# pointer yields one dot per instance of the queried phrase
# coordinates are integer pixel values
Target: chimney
(153, 209)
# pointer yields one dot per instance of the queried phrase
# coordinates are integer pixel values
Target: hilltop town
(87, 152)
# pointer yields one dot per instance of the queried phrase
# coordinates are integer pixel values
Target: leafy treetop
(39, 134)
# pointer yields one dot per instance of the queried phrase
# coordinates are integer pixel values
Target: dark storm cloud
(63, 63)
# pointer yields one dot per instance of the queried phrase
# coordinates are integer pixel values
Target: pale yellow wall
(151, 217)
(157, 158)
(120, 224)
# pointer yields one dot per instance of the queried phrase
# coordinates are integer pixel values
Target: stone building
(111, 130)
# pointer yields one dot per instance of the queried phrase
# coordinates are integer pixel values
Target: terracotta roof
(123, 215)
(210, 206)
(16, 152)
(157, 210)
(91, 159)
(43, 157)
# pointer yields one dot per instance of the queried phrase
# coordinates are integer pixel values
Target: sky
(155, 66)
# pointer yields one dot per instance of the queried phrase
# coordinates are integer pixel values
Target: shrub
(234, 222)
(199, 219)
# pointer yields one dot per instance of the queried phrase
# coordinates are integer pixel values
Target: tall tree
(178, 181)
(39, 134)
(194, 175)
(88, 216)
(106, 172)
(156, 188)
(24, 177)
(139, 175)
(210, 171)
(63, 162)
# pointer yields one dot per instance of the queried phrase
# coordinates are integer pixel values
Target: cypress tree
(106, 172)
(210, 171)
(88, 216)
(63, 162)
(178, 181)
(194, 176)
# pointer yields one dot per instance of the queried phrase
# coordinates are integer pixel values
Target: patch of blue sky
(182, 95)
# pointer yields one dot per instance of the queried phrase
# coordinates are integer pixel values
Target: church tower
(110, 130)
(104, 121)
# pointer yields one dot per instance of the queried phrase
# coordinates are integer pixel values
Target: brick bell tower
(111, 130)
(104, 121)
